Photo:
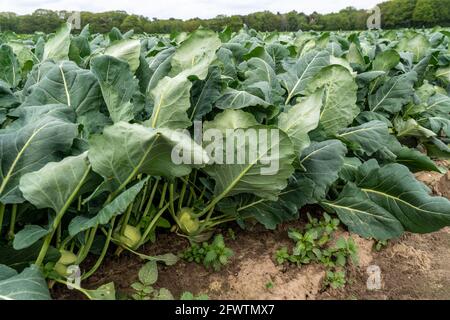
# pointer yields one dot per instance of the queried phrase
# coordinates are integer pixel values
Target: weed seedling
(214, 255)
(335, 279)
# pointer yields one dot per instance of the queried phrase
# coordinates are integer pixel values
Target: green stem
(206, 221)
(13, 221)
(150, 201)
(215, 223)
(171, 198)
(102, 254)
(189, 202)
(163, 195)
(44, 248)
(64, 242)
(57, 221)
(125, 219)
(150, 226)
(144, 193)
(200, 197)
(58, 236)
(182, 193)
(2, 214)
(87, 246)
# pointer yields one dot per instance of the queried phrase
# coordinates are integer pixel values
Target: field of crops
(109, 141)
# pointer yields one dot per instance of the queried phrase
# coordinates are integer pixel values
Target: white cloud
(185, 9)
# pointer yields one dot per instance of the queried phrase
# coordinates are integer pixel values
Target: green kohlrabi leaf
(117, 85)
(362, 216)
(112, 209)
(418, 45)
(66, 83)
(444, 74)
(394, 94)
(159, 67)
(300, 74)
(395, 189)
(127, 50)
(195, 54)
(55, 185)
(204, 94)
(367, 138)
(57, 47)
(9, 67)
(231, 119)
(125, 150)
(301, 118)
(28, 285)
(171, 101)
(386, 60)
(259, 161)
(28, 236)
(237, 99)
(410, 127)
(339, 102)
(319, 167)
(29, 148)
(268, 213)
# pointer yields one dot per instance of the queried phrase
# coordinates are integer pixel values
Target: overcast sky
(185, 9)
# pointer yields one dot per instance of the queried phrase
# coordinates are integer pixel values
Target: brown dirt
(412, 267)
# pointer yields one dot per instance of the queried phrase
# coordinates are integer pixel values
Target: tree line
(394, 14)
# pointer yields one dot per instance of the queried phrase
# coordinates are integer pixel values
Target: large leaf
(28, 285)
(410, 127)
(362, 216)
(29, 235)
(261, 77)
(56, 184)
(204, 94)
(414, 159)
(394, 94)
(367, 138)
(301, 73)
(68, 84)
(29, 148)
(195, 54)
(9, 66)
(125, 150)
(438, 104)
(57, 47)
(319, 164)
(386, 60)
(112, 209)
(339, 102)
(444, 74)
(238, 99)
(395, 189)
(118, 86)
(418, 45)
(300, 119)
(268, 213)
(159, 67)
(127, 50)
(171, 101)
(231, 119)
(263, 172)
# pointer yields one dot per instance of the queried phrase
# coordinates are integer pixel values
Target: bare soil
(412, 267)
